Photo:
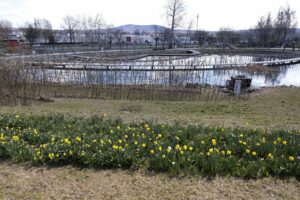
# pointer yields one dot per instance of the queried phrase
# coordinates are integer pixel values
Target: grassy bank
(270, 108)
(267, 108)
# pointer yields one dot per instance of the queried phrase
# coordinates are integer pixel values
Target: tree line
(278, 31)
(270, 31)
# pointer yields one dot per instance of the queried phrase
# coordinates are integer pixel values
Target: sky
(213, 14)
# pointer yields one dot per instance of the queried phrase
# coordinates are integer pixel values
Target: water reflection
(283, 75)
(261, 76)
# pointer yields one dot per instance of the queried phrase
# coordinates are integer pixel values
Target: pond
(261, 76)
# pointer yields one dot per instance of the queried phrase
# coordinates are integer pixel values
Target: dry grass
(19, 182)
(276, 107)
(267, 108)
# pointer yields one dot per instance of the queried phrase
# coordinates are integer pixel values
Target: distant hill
(132, 28)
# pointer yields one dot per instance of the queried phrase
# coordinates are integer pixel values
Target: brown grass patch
(19, 182)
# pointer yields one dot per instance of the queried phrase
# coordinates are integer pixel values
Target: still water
(276, 76)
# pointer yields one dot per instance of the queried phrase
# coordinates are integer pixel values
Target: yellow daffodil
(51, 156)
(78, 139)
(284, 142)
(67, 141)
(16, 138)
(214, 141)
(270, 155)
(169, 149)
(291, 158)
(228, 152)
(254, 153)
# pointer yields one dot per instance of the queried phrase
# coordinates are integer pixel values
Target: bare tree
(200, 36)
(108, 35)
(32, 31)
(5, 29)
(71, 26)
(157, 34)
(95, 25)
(175, 12)
(167, 37)
(187, 40)
(225, 36)
(46, 29)
(285, 24)
(264, 31)
(248, 38)
(118, 34)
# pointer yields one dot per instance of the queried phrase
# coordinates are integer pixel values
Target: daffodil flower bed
(179, 150)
